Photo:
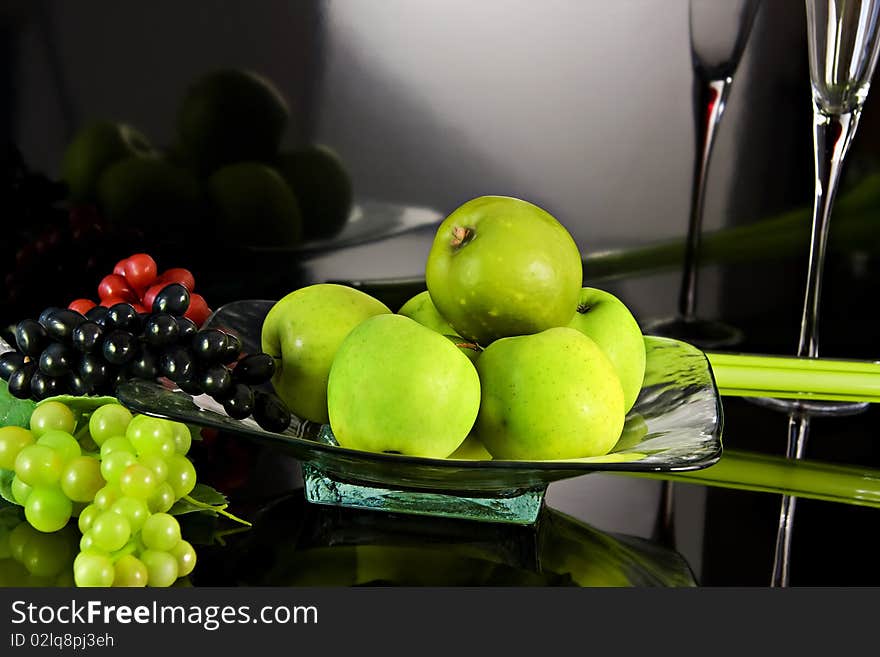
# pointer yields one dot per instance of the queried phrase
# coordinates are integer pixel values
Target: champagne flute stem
(798, 428)
(832, 135)
(710, 97)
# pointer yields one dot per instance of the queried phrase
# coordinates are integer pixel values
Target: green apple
(303, 331)
(397, 386)
(501, 267)
(550, 395)
(422, 309)
(151, 194)
(471, 450)
(95, 147)
(231, 115)
(254, 206)
(606, 319)
(322, 186)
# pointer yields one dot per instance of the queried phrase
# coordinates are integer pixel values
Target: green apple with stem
(608, 321)
(422, 309)
(500, 266)
(550, 395)
(302, 332)
(397, 386)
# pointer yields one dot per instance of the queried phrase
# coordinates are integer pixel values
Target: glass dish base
(519, 507)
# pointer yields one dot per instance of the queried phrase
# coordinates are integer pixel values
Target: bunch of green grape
(119, 474)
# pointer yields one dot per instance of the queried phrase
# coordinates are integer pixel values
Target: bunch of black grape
(65, 352)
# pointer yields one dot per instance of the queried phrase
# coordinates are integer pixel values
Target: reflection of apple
(302, 332)
(396, 386)
(604, 318)
(151, 194)
(500, 267)
(552, 395)
(230, 115)
(96, 146)
(422, 309)
(321, 186)
(254, 206)
(634, 432)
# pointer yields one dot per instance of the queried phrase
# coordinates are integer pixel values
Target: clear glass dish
(675, 425)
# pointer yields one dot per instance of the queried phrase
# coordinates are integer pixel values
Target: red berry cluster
(136, 280)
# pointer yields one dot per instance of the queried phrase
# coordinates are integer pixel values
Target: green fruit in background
(396, 386)
(302, 332)
(606, 319)
(253, 206)
(95, 147)
(151, 194)
(500, 267)
(551, 395)
(321, 186)
(422, 309)
(229, 116)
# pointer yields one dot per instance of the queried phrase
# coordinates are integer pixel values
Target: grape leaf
(14, 411)
(81, 403)
(204, 499)
(6, 477)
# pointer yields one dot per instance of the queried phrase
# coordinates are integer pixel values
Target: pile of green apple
(505, 355)
(225, 175)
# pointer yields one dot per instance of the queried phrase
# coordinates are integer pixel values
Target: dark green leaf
(10, 516)
(6, 477)
(204, 499)
(13, 411)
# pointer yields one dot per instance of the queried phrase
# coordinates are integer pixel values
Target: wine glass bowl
(843, 48)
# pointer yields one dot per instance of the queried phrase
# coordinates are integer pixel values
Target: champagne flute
(843, 42)
(719, 31)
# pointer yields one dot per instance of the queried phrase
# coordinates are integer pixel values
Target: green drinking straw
(751, 375)
(816, 480)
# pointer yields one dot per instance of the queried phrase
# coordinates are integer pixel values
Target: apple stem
(468, 345)
(584, 308)
(461, 235)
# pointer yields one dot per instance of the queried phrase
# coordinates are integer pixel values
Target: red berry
(179, 275)
(82, 306)
(114, 285)
(198, 310)
(112, 301)
(150, 294)
(138, 307)
(140, 271)
(119, 268)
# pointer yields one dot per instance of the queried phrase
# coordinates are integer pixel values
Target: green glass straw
(748, 375)
(816, 480)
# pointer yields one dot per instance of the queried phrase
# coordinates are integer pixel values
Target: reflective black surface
(583, 108)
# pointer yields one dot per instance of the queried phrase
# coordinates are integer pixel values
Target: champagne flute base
(702, 333)
(810, 408)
